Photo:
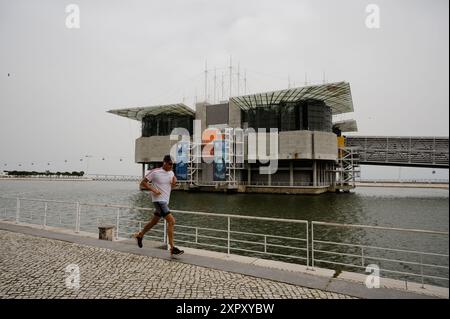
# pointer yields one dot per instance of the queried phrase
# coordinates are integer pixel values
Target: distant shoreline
(71, 179)
(403, 184)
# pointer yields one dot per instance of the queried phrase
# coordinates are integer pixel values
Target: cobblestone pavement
(34, 267)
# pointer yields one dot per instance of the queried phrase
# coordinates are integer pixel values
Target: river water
(414, 208)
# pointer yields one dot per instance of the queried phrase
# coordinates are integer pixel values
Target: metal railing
(228, 235)
(227, 238)
(364, 256)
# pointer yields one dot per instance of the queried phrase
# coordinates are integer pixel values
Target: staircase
(347, 168)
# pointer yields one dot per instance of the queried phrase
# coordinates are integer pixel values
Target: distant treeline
(46, 173)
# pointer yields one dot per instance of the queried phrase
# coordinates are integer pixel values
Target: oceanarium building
(225, 142)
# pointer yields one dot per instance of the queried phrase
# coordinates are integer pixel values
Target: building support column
(319, 174)
(269, 179)
(321, 170)
(332, 174)
(291, 173)
(314, 167)
(143, 170)
(249, 173)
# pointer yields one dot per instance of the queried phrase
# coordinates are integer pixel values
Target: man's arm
(145, 185)
(174, 181)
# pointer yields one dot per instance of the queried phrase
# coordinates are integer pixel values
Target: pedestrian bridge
(401, 151)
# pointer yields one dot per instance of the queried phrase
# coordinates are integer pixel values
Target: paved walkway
(35, 267)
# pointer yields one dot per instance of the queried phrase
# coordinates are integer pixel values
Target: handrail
(172, 210)
(382, 227)
(363, 256)
(307, 245)
(118, 218)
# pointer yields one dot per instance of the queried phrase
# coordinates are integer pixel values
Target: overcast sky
(132, 53)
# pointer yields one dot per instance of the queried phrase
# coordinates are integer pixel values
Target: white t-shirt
(162, 180)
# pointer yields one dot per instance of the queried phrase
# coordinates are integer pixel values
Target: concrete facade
(325, 145)
(291, 145)
(152, 149)
(217, 114)
(309, 156)
(200, 114)
(307, 137)
(295, 145)
(234, 115)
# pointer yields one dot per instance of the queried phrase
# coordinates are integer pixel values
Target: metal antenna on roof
(238, 78)
(289, 82)
(214, 94)
(306, 78)
(324, 79)
(222, 85)
(206, 80)
(245, 81)
(231, 75)
(195, 98)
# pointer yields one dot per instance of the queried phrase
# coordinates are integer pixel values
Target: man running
(163, 180)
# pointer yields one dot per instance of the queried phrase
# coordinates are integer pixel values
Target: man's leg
(157, 216)
(170, 225)
(149, 225)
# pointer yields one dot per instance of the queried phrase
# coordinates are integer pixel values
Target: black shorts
(161, 209)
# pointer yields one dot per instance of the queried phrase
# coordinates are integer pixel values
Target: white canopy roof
(137, 113)
(346, 126)
(336, 95)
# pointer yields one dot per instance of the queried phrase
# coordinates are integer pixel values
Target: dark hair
(167, 158)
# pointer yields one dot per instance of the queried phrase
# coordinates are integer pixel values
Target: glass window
(163, 124)
(312, 115)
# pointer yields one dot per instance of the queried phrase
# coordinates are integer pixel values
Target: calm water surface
(392, 207)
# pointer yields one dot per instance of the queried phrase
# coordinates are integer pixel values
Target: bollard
(44, 223)
(106, 232)
(77, 218)
(166, 240)
(229, 236)
(18, 211)
(117, 223)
